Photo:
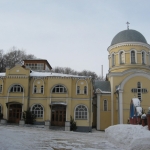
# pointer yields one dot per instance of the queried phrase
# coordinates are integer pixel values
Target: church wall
(127, 65)
(128, 95)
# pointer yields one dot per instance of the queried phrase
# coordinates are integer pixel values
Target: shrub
(28, 117)
(73, 126)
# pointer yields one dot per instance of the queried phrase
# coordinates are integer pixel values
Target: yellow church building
(54, 97)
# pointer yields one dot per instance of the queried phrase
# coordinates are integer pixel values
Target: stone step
(58, 128)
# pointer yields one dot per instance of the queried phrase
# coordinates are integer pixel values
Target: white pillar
(120, 107)
(98, 111)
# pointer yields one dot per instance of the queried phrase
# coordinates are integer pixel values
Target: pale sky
(70, 33)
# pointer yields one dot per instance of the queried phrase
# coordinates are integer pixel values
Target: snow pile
(130, 137)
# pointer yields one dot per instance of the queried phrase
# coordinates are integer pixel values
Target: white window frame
(40, 115)
(85, 89)
(104, 105)
(143, 57)
(38, 89)
(113, 60)
(59, 87)
(121, 57)
(87, 113)
(14, 89)
(134, 56)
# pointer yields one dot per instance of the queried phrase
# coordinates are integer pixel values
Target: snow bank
(130, 137)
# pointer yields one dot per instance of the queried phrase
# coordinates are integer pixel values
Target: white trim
(120, 107)
(36, 85)
(75, 112)
(128, 44)
(83, 89)
(119, 58)
(112, 103)
(98, 112)
(145, 62)
(104, 103)
(126, 72)
(133, 75)
(2, 85)
(135, 51)
(41, 106)
(57, 85)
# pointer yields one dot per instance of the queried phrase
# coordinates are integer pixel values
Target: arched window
(81, 112)
(78, 89)
(143, 57)
(42, 89)
(105, 105)
(16, 88)
(133, 57)
(35, 89)
(37, 110)
(1, 88)
(59, 89)
(113, 60)
(122, 58)
(85, 90)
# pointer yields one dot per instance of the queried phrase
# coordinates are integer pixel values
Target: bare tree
(12, 57)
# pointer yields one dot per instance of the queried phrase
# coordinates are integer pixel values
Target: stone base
(83, 129)
(3, 121)
(67, 126)
(21, 123)
(47, 124)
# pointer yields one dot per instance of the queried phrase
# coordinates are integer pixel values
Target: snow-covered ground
(31, 138)
(129, 137)
(118, 137)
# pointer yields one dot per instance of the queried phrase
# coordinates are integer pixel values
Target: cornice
(128, 44)
(132, 71)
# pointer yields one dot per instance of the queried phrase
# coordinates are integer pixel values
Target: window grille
(16, 88)
(81, 112)
(59, 89)
(37, 110)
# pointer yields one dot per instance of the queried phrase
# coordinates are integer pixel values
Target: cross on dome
(127, 25)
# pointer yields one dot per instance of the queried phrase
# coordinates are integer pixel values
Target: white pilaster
(98, 111)
(120, 107)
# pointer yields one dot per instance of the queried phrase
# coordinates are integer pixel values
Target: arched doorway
(15, 111)
(58, 117)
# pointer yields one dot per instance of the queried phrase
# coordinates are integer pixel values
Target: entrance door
(15, 111)
(58, 115)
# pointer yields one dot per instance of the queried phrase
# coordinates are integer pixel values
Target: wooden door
(58, 115)
(15, 111)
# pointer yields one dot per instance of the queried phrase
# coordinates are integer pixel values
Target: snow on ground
(31, 138)
(129, 137)
(118, 137)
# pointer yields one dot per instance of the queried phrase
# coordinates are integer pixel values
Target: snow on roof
(46, 74)
(2, 74)
(136, 102)
(139, 111)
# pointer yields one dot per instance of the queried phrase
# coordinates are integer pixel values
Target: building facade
(52, 97)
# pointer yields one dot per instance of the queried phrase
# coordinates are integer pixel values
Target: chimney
(102, 71)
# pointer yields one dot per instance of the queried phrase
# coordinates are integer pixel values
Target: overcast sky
(70, 33)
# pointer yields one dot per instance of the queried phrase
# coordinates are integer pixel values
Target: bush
(28, 117)
(73, 126)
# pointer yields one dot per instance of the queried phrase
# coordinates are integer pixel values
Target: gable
(18, 70)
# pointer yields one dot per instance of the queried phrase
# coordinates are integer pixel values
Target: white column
(98, 111)
(120, 107)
